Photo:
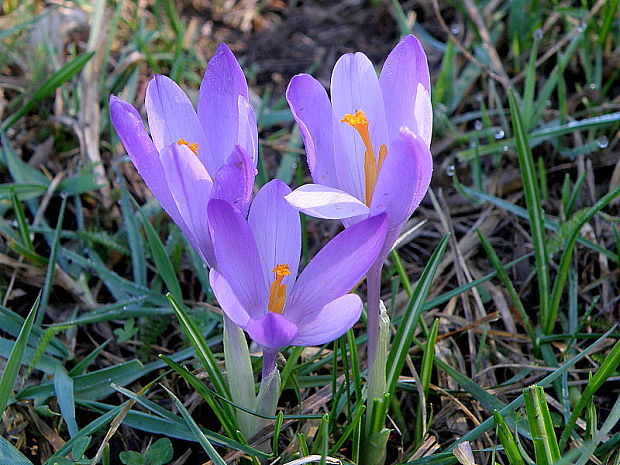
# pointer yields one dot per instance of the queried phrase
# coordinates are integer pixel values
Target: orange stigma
(372, 166)
(277, 292)
(193, 147)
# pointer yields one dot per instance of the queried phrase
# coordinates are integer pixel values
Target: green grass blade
(530, 84)
(404, 335)
(196, 431)
(136, 244)
(51, 266)
(443, 90)
(522, 213)
(10, 455)
(9, 375)
(503, 276)
(489, 422)
(508, 441)
(22, 224)
(534, 208)
(541, 426)
(426, 370)
(88, 430)
(611, 421)
(163, 264)
(609, 13)
(554, 77)
(606, 370)
(222, 414)
(48, 87)
(553, 129)
(567, 254)
(83, 364)
(63, 385)
(201, 347)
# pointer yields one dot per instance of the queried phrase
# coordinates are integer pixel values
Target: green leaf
(160, 453)
(201, 347)
(10, 455)
(534, 208)
(606, 369)
(197, 432)
(489, 423)
(541, 426)
(11, 369)
(522, 213)
(567, 254)
(63, 386)
(131, 457)
(553, 129)
(51, 265)
(404, 336)
(162, 260)
(240, 376)
(503, 276)
(48, 87)
(22, 224)
(88, 430)
(94, 385)
(508, 441)
(222, 414)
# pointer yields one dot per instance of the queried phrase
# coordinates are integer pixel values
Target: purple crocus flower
(256, 282)
(367, 148)
(192, 157)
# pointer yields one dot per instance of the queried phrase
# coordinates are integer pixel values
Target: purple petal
(313, 113)
(234, 181)
(228, 300)
(277, 230)
(334, 319)
(248, 133)
(403, 78)
(272, 330)
(423, 114)
(190, 186)
(336, 269)
(354, 87)
(326, 202)
(403, 180)
(218, 109)
(237, 256)
(143, 154)
(172, 116)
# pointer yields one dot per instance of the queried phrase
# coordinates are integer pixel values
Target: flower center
(277, 292)
(372, 165)
(193, 147)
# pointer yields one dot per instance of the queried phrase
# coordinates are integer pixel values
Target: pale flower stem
(270, 357)
(239, 374)
(373, 283)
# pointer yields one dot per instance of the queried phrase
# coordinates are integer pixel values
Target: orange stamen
(277, 292)
(193, 147)
(372, 166)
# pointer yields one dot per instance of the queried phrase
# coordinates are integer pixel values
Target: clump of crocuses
(368, 153)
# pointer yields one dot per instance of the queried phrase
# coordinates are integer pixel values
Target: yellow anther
(372, 166)
(277, 291)
(193, 147)
(281, 270)
(356, 120)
